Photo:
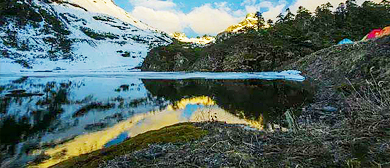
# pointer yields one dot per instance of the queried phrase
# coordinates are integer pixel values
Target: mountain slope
(68, 35)
(108, 7)
(341, 64)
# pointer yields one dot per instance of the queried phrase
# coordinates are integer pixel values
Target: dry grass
(360, 137)
(369, 121)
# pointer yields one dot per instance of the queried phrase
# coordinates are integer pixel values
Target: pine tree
(260, 20)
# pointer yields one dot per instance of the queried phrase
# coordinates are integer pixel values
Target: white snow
(108, 7)
(133, 37)
(201, 40)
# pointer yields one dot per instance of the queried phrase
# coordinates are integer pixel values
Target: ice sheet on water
(293, 75)
(284, 75)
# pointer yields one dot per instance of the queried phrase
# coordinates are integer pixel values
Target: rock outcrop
(246, 52)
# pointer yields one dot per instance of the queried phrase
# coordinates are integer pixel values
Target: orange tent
(385, 31)
(374, 34)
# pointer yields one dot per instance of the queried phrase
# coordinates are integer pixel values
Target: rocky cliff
(250, 51)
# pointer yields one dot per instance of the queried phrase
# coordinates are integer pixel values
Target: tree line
(326, 26)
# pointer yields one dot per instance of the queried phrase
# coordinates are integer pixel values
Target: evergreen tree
(280, 18)
(289, 16)
(303, 18)
(260, 20)
(340, 15)
(270, 22)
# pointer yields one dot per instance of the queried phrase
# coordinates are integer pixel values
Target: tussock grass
(360, 136)
(369, 121)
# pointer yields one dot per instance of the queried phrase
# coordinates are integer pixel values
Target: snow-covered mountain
(250, 22)
(73, 35)
(201, 40)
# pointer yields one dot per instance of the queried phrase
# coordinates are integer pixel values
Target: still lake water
(45, 119)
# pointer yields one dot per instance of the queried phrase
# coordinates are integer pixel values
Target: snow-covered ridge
(108, 7)
(81, 35)
(250, 22)
(201, 40)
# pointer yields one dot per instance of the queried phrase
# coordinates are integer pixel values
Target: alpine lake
(45, 119)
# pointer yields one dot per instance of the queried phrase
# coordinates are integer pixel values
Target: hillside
(356, 62)
(244, 47)
(72, 35)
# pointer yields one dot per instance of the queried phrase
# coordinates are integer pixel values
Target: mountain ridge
(68, 35)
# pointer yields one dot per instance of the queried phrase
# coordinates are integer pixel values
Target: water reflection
(65, 108)
(61, 117)
(245, 98)
(193, 109)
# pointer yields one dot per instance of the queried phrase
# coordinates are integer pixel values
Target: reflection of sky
(187, 110)
(120, 138)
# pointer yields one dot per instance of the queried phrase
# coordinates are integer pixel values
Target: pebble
(329, 109)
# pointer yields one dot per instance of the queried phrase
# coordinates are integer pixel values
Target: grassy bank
(172, 134)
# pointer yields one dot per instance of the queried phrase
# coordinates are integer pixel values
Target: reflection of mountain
(194, 109)
(250, 97)
(31, 115)
(36, 112)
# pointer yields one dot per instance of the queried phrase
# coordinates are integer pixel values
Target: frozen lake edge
(292, 75)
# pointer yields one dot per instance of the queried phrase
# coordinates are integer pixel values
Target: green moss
(176, 133)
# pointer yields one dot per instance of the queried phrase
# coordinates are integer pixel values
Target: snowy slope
(108, 7)
(200, 41)
(93, 35)
(250, 21)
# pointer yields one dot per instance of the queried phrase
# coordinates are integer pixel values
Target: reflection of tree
(250, 98)
(14, 129)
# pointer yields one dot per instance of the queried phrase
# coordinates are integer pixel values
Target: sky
(199, 17)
